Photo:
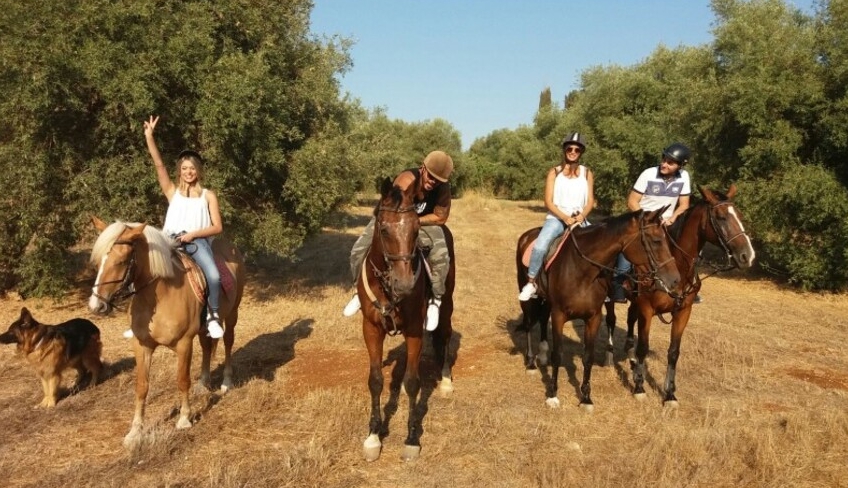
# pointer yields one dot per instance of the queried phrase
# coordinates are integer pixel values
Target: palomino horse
(393, 290)
(139, 260)
(715, 220)
(578, 281)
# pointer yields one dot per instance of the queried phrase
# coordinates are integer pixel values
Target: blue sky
(481, 64)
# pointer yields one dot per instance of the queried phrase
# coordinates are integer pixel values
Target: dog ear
(26, 317)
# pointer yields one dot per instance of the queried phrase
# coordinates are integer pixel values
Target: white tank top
(570, 194)
(187, 214)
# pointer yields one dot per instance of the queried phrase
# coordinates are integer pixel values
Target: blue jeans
(622, 266)
(204, 258)
(551, 229)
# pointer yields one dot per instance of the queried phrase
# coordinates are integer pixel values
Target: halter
(387, 311)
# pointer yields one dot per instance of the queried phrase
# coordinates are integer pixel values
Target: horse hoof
(446, 386)
(183, 423)
(410, 453)
(552, 402)
(131, 439)
(639, 396)
(532, 371)
(371, 448)
(671, 405)
(225, 388)
(610, 359)
(587, 407)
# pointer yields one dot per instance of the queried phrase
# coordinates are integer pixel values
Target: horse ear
(731, 191)
(708, 194)
(657, 214)
(136, 231)
(386, 186)
(98, 224)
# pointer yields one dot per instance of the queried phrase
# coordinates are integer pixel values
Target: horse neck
(690, 239)
(597, 243)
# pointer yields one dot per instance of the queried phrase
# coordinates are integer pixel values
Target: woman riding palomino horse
(715, 220)
(138, 260)
(578, 279)
(392, 289)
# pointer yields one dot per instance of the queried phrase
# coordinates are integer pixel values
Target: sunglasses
(573, 149)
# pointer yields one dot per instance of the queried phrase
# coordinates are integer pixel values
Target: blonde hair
(159, 246)
(197, 161)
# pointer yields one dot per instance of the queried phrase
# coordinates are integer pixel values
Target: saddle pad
(197, 280)
(553, 250)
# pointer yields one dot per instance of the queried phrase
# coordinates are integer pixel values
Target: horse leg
(678, 324)
(441, 347)
(610, 322)
(374, 336)
(630, 342)
(412, 384)
(646, 315)
(183, 350)
(207, 350)
(557, 322)
(229, 339)
(590, 334)
(542, 317)
(143, 359)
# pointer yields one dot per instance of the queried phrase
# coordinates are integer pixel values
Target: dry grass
(762, 384)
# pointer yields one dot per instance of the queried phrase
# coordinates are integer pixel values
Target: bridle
(387, 310)
(127, 281)
(653, 263)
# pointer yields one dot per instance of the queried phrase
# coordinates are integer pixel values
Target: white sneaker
(352, 306)
(433, 314)
(128, 334)
(528, 292)
(213, 328)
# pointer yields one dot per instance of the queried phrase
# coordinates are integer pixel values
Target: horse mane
(159, 247)
(393, 198)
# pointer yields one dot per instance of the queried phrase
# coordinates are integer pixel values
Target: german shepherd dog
(55, 348)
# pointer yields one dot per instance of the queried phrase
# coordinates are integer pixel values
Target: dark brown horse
(716, 220)
(578, 281)
(393, 289)
(138, 260)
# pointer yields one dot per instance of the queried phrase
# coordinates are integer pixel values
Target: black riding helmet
(575, 138)
(678, 153)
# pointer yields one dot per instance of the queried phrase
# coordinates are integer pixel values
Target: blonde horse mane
(159, 245)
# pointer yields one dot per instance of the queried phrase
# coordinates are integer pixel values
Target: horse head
(126, 255)
(726, 229)
(653, 255)
(395, 237)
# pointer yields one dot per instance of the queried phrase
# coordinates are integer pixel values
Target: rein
(652, 275)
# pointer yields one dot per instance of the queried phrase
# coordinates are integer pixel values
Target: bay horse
(139, 260)
(716, 220)
(578, 281)
(393, 289)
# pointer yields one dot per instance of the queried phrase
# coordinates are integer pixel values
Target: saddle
(197, 279)
(553, 250)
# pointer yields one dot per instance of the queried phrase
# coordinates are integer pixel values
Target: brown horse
(393, 290)
(578, 281)
(715, 220)
(138, 260)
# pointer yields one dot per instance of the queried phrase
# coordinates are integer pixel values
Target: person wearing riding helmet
(569, 197)
(432, 204)
(657, 186)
